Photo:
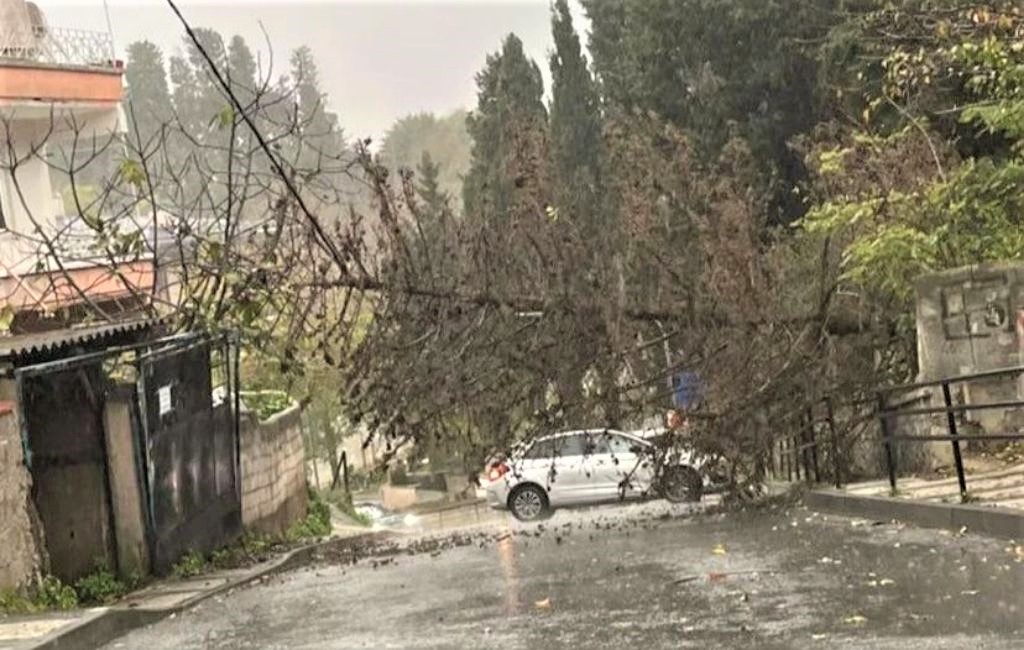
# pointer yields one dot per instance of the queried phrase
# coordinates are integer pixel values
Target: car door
(625, 466)
(596, 481)
(567, 482)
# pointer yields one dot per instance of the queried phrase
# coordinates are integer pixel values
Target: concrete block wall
(971, 319)
(273, 472)
(21, 559)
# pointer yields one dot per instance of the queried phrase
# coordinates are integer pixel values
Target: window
(577, 444)
(569, 445)
(540, 449)
(621, 445)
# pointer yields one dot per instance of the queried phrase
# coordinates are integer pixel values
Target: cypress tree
(509, 131)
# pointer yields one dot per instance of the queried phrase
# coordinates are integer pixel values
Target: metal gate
(62, 420)
(188, 433)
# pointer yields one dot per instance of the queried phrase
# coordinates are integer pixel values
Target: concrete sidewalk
(996, 505)
(1002, 487)
(87, 628)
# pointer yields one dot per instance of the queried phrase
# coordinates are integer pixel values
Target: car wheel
(682, 485)
(528, 503)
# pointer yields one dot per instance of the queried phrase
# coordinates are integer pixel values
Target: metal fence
(814, 453)
(887, 414)
(57, 46)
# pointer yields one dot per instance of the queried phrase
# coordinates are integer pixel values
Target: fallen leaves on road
(855, 619)
(543, 604)
(719, 549)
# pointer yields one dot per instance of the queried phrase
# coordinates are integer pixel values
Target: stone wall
(21, 558)
(969, 320)
(273, 472)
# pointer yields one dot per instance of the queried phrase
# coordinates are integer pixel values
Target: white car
(590, 466)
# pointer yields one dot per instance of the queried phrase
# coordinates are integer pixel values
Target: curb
(106, 625)
(428, 509)
(1004, 523)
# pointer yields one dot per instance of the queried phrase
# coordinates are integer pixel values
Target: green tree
(149, 98)
(444, 137)
(428, 185)
(575, 126)
(509, 131)
(209, 100)
(185, 94)
(242, 70)
(719, 69)
(933, 178)
(321, 134)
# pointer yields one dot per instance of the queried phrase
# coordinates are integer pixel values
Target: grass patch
(317, 522)
(102, 587)
(267, 403)
(189, 565)
(49, 594)
(254, 547)
(343, 502)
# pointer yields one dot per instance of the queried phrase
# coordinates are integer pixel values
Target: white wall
(28, 196)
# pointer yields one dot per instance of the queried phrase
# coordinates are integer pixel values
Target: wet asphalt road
(639, 576)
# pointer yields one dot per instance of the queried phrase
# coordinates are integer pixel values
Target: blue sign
(687, 390)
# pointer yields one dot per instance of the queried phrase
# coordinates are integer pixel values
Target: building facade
(61, 120)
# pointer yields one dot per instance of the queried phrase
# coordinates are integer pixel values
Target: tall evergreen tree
(509, 131)
(719, 70)
(320, 126)
(242, 70)
(149, 97)
(575, 125)
(444, 137)
(184, 97)
(209, 98)
(428, 185)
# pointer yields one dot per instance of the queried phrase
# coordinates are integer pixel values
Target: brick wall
(273, 472)
(20, 558)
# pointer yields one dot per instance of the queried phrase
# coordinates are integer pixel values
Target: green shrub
(343, 501)
(257, 543)
(12, 602)
(225, 558)
(100, 587)
(190, 565)
(267, 403)
(317, 522)
(54, 594)
(252, 546)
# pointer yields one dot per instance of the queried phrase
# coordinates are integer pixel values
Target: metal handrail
(956, 408)
(957, 379)
(885, 414)
(57, 46)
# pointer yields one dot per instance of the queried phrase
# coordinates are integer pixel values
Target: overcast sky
(379, 59)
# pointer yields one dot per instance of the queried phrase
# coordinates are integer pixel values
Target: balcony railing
(56, 46)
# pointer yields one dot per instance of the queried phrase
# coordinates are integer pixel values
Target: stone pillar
(125, 486)
(23, 557)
